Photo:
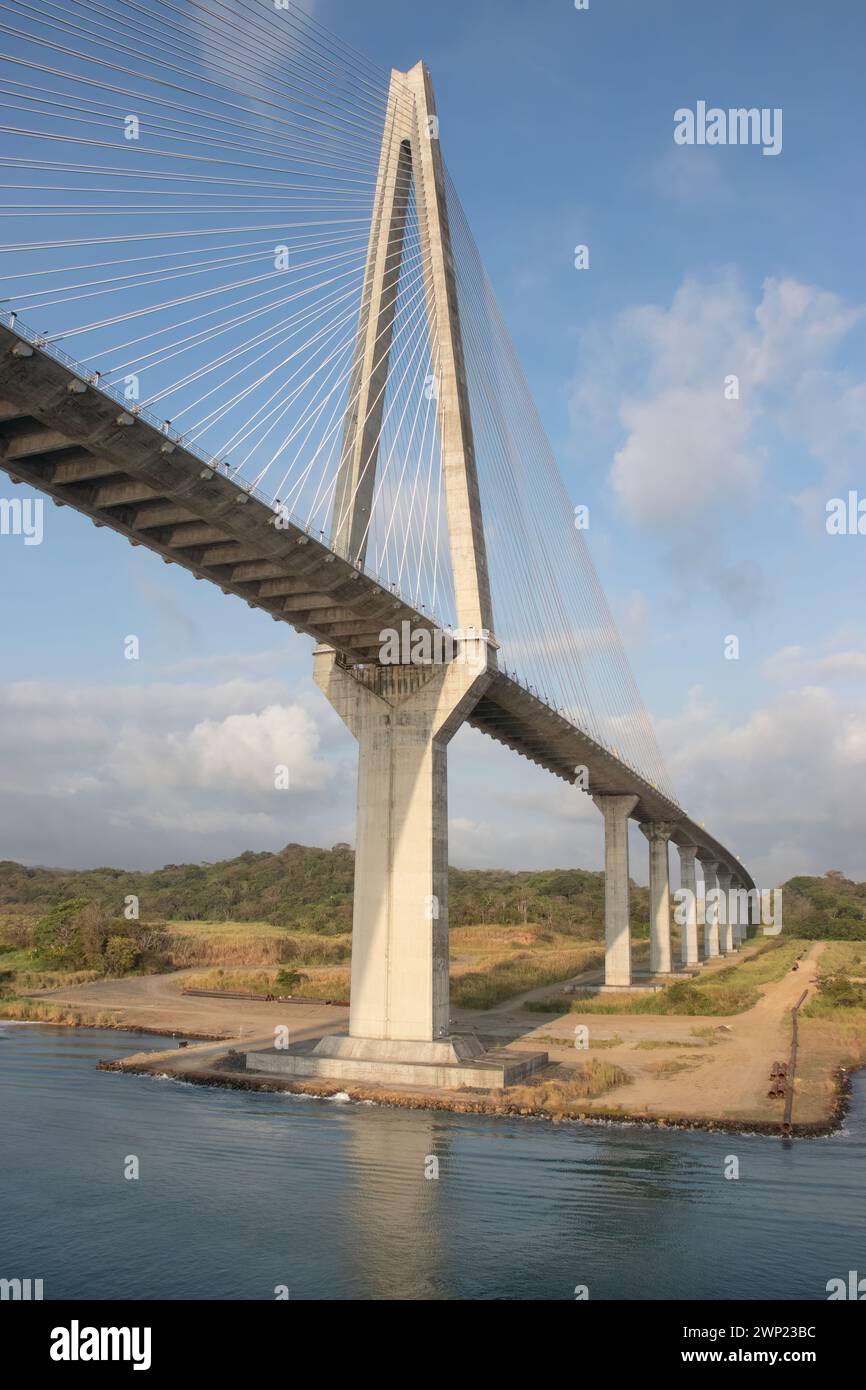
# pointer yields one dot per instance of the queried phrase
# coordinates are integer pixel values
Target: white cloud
(797, 327)
(793, 664)
(688, 449)
(238, 753)
(689, 176)
(783, 785)
(146, 773)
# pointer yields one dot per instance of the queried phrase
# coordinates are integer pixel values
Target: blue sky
(707, 515)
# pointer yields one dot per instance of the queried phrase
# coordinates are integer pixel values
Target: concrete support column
(617, 930)
(689, 946)
(755, 914)
(726, 926)
(711, 912)
(403, 718)
(740, 910)
(733, 913)
(658, 834)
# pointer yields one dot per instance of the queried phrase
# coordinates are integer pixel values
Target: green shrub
(289, 980)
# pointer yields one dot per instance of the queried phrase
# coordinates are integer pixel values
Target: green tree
(121, 955)
(58, 937)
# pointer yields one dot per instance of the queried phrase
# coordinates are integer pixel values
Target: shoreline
(117, 1027)
(706, 1087)
(464, 1103)
(486, 1103)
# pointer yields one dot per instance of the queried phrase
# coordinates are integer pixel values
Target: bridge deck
(74, 442)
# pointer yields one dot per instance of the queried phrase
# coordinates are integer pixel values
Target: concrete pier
(617, 929)
(399, 1022)
(658, 834)
(728, 944)
(689, 946)
(462, 1061)
(711, 911)
(403, 718)
(739, 911)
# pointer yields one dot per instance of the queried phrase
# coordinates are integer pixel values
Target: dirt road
(723, 1077)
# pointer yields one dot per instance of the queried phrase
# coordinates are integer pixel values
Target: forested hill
(308, 889)
(311, 889)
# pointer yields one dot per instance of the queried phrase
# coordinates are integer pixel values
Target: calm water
(241, 1192)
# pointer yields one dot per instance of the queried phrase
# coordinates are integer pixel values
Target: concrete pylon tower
(404, 716)
(411, 156)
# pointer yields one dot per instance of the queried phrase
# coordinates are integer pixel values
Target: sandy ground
(726, 1076)
(722, 1078)
(156, 1002)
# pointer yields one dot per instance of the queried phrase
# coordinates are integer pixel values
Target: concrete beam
(161, 514)
(33, 440)
(123, 493)
(197, 533)
(80, 467)
(257, 569)
(229, 553)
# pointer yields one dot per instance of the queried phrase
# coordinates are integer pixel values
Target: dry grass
(551, 1040)
(488, 963)
(491, 964)
(251, 944)
(562, 1095)
(844, 958)
(322, 984)
(27, 1011)
(30, 980)
(731, 990)
(673, 1065)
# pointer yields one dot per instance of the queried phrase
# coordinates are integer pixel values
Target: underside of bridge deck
(72, 441)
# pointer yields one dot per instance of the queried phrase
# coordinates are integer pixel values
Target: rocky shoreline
(466, 1103)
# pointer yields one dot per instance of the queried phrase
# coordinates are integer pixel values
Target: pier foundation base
(455, 1061)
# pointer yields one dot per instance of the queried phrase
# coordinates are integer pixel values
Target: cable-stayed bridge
(245, 324)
